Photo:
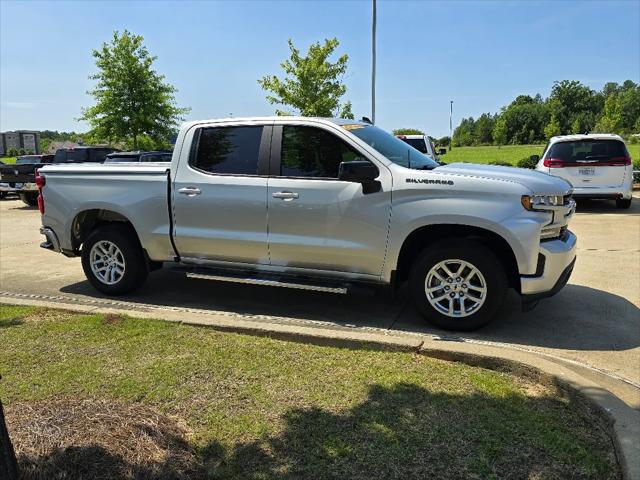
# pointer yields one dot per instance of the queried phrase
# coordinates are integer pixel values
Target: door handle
(189, 191)
(285, 195)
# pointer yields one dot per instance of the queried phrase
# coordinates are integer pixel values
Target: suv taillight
(618, 162)
(553, 163)
(40, 183)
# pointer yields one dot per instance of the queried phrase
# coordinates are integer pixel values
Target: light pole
(451, 125)
(373, 65)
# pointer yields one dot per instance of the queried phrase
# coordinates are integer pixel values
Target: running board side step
(266, 279)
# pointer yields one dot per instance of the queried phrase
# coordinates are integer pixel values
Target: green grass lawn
(115, 397)
(508, 153)
(8, 160)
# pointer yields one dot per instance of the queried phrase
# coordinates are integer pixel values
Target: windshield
(28, 159)
(391, 147)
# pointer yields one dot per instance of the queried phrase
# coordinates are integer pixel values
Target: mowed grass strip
(110, 396)
(507, 153)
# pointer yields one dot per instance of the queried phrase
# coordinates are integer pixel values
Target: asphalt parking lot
(594, 321)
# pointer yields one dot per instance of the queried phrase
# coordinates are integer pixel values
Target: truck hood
(537, 182)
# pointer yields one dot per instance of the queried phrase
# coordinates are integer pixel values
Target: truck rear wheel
(458, 285)
(30, 198)
(113, 261)
(623, 203)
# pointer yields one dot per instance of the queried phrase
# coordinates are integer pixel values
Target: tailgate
(585, 175)
(18, 173)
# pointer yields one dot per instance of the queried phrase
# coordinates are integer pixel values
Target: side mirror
(360, 171)
(534, 158)
(442, 151)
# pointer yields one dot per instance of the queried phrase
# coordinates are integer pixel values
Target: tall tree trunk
(135, 141)
(8, 463)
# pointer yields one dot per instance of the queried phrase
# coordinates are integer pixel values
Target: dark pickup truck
(20, 177)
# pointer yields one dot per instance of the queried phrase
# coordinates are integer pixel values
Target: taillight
(40, 180)
(618, 162)
(40, 183)
(553, 163)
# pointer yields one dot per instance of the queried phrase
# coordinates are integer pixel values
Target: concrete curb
(625, 420)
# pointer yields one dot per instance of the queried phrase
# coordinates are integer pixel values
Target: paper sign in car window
(354, 126)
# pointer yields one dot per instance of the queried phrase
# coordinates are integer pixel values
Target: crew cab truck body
(319, 204)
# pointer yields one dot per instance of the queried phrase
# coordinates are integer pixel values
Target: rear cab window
(417, 143)
(226, 150)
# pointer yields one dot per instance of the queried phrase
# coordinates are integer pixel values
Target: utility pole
(373, 65)
(451, 126)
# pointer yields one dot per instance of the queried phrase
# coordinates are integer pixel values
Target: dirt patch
(91, 439)
(113, 319)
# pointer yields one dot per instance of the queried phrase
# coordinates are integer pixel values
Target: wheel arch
(422, 237)
(88, 220)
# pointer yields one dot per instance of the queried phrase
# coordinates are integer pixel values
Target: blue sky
(480, 54)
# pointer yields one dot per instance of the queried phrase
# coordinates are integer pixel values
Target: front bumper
(559, 257)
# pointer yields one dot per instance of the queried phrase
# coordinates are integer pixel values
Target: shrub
(22, 151)
(526, 162)
(12, 152)
(500, 163)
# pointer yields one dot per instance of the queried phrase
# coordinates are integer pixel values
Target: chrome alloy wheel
(455, 288)
(107, 262)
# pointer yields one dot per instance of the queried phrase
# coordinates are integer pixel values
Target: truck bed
(137, 192)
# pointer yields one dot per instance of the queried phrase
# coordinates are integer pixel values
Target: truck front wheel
(113, 261)
(458, 284)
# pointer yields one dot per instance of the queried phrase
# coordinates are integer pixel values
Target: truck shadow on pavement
(577, 318)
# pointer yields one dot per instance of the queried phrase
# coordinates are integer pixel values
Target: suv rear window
(587, 150)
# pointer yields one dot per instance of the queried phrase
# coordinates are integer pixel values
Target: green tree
(553, 128)
(132, 99)
(575, 105)
(313, 85)
(483, 129)
(611, 120)
(500, 131)
(408, 131)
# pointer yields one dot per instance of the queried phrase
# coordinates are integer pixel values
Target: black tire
(3, 195)
(475, 254)
(623, 203)
(135, 270)
(30, 198)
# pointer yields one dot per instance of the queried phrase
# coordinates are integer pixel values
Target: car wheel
(458, 285)
(30, 198)
(623, 203)
(3, 195)
(113, 261)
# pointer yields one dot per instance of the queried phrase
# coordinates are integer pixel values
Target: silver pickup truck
(316, 204)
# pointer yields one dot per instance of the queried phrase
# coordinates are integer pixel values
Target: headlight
(538, 202)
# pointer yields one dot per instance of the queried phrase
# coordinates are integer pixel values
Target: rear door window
(588, 151)
(227, 150)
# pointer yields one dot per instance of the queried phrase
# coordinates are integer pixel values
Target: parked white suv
(597, 165)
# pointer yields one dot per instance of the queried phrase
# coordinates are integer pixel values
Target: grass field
(105, 396)
(508, 153)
